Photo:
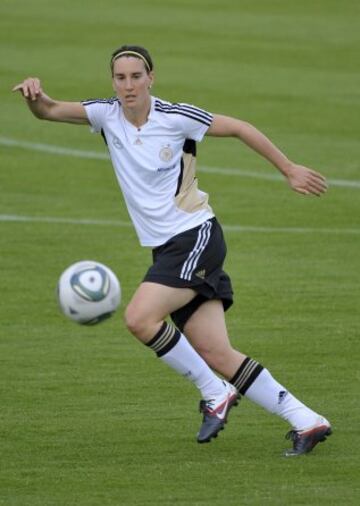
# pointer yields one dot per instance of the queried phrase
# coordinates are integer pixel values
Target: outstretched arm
(44, 107)
(300, 178)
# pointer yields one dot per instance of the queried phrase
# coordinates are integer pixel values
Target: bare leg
(144, 317)
(150, 305)
(206, 330)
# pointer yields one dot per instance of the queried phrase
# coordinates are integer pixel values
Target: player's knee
(134, 321)
(138, 323)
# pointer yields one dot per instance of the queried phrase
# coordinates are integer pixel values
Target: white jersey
(155, 165)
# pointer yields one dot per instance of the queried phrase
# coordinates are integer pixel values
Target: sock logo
(282, 395)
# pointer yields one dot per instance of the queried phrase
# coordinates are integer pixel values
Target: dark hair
(135, 51)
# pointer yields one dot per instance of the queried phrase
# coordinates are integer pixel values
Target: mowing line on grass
(95, 155)
(228, 228)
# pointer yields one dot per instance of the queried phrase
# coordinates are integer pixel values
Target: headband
(132, 53)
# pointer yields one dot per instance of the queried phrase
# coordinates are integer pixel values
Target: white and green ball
(88, 292)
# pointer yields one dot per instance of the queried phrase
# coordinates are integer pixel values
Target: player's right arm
(44, 107)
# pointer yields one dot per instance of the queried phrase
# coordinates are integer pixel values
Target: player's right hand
(30, 88)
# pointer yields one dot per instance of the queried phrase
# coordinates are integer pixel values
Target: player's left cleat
(215, 413)
(305, 440)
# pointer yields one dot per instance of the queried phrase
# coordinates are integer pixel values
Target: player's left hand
(306, 181)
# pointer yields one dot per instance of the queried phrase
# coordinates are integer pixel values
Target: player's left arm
(301, 179)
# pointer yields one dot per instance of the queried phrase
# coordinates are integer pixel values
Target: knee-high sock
(258, 385)
(174, 349)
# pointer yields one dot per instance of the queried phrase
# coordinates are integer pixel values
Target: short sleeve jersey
(155, 165)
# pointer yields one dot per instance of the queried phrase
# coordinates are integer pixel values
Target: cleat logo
(222, 414)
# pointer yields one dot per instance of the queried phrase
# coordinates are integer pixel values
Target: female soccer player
(152, 144)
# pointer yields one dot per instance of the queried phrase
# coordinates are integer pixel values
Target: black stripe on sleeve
(100, 101)
(181, 113)
(185, 107)
(184, 110)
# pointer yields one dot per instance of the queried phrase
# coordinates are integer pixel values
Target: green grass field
(88, 416)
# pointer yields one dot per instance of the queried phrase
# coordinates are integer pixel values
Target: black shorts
(193, 259)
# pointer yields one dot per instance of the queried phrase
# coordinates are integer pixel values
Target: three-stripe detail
(165, 339)
(246, 374)
(187, 110)
(192, 260)
(100, 101)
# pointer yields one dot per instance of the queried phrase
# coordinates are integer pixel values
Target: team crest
(166, 153)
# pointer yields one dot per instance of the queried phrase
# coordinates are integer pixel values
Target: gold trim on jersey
(189, 198)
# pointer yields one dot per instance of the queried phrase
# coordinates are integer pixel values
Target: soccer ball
(88, 292)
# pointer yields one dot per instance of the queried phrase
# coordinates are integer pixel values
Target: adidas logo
(282, 395)
(201, 274)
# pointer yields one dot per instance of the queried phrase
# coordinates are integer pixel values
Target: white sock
(272, 396)
(173, 348)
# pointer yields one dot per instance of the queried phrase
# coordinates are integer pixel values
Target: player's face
(131, 82)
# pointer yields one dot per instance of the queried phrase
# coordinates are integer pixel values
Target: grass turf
(89, 416)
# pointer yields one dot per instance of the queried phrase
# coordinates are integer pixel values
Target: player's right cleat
(305, 440)
(215, 413)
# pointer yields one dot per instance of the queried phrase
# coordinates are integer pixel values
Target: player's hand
(30, 88)
(306, 181)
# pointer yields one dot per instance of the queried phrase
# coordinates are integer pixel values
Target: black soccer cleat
(215, 413)
(305, 440)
